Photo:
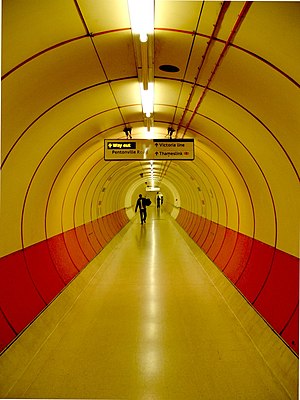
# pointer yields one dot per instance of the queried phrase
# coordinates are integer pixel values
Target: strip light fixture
(142, 23)
(147, 99)
(142, 17)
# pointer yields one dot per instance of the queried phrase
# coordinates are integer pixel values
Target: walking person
(158, 202)
(141, 204)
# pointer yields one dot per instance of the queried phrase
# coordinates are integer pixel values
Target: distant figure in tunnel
(158, 202)
(141, 204)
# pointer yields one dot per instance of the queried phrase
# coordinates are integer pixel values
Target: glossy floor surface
(150, 324)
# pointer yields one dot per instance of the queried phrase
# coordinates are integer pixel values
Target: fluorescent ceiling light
(142, 17)
(149, 133)
(147, 99)
(152, 189)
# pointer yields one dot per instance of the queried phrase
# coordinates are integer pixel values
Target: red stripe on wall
(190, 223)
(7, 333)
(291, 332)
(210, 237)
(84, 243)
(74, 249)
(89, 228)
(107, 227)
(195, 227)
(227, 249)
(42, 271)
(256, 271)
(217, 242)
(19, 300)
(61, 258)
(240, 257)
(266, 276)
(205, 232)
(279, 296)
(31, 278)
(96, 228)
(200, 229)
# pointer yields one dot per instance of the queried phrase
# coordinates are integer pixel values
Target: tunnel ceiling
(225, 74)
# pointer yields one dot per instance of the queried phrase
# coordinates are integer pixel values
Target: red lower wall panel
(7, 332)
(217, 243)
(32, 277)
(199, 230)
(42, 271)
(195, 226)
(240, 257)
(89, 229)
(190, 224)
(61, 258)
(123, 218)
(256, 271)
(115, 221)
(204, 232)
(267, 277)
(84, 243)
(111, 221)
(210, 237)
(227, 249)
(74, 249)
(19, 300)
(291, 332)
(96, 228)
(105, 227)
(279, 296)
(180, 216)
(185, 218)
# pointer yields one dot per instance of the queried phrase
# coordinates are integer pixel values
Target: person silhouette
(141, 204)
(158, 202)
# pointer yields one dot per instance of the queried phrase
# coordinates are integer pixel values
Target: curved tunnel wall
(239, 198)
(32, 277)
(228, 224)
(266, 276)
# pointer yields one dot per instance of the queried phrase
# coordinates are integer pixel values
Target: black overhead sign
(148, 149)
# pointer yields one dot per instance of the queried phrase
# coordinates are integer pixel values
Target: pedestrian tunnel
(150, 315)
(221, 74)
(63, 221)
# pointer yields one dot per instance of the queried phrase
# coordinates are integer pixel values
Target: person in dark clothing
(141, 204)
(158, 202)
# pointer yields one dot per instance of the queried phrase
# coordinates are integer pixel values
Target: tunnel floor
(149, 324)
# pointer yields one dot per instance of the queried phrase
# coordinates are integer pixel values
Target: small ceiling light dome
(169, 68)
